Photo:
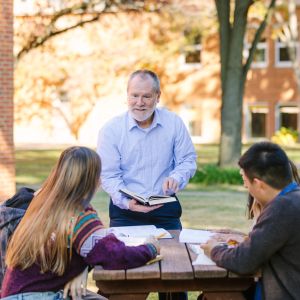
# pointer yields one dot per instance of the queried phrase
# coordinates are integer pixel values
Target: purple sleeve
(113, 254)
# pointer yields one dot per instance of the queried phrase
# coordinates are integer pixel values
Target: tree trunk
(234, 73)
(233, 80)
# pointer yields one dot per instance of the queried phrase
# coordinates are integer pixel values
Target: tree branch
(40, 40)
(257, 37)
(94, 8)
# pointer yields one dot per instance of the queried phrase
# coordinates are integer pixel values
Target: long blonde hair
(42, 235)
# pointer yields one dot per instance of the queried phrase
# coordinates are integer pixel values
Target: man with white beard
(148, 151)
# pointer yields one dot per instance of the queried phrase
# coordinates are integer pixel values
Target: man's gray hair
(144, 74)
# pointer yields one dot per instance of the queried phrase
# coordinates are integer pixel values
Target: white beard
(142, 117)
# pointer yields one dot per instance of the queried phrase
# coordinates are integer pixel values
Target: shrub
(285, 136)
(212, 174)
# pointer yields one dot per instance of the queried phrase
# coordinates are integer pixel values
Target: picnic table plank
(176, 261)
(100, 274)
(206, 271)
(145, 272)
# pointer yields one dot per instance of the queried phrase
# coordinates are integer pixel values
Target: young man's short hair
(268, 162)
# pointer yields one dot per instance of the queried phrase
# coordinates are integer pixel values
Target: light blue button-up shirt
(140, 159)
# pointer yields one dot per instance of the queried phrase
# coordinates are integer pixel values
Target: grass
(33, 166)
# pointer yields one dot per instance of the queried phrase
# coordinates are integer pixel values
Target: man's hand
(135, 206)
(209, 246)
(77, 286)
(170, 186)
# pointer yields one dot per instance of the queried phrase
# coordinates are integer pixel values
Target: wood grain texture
(144, 272)
(176, 261)
(100, 274)
(206, 271)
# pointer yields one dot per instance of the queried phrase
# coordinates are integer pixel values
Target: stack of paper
(195, 236)
(143, 231)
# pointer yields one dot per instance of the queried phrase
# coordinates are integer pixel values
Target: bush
(212, 174)
(285, 137)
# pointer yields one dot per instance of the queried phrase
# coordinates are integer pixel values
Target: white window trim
(281, 107)
(247, 113)
(259, 46)
(258, 64)
(283, 64)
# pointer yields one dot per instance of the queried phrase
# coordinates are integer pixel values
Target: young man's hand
(207, 247)
(135, 206)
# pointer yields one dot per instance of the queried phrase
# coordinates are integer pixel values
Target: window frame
(280, 107)
(283, 64)
(191, 48)
(259, 46)
(248, 119)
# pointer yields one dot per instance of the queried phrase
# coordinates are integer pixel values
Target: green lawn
(33, 166)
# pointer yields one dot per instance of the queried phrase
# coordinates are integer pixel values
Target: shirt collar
(156, 120)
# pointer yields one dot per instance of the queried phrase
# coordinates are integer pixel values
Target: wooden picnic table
(172, 274)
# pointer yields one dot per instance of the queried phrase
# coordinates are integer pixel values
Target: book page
(155, 201)
(195, 236)
(133, 195)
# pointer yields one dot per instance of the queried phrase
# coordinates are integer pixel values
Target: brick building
(7, 162)
(192, 88)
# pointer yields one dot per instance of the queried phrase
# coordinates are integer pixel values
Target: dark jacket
(11, 213)
(274, 246)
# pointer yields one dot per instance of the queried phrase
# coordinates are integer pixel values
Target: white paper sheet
(195, 236)
(201, 259)
(140, 231)
(132, 241)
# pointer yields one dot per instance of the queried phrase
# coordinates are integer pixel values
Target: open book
(152, 200)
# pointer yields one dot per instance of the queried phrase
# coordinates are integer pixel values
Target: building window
(192, 48)
(260, 58)
(192, 118)
(195, 127)
(288, 117)
(282, 57)
(257, 121)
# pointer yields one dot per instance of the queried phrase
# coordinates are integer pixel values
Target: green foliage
(212, 174)
(285, 136)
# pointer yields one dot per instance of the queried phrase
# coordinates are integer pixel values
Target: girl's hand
(77, 286)
(152, 240)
